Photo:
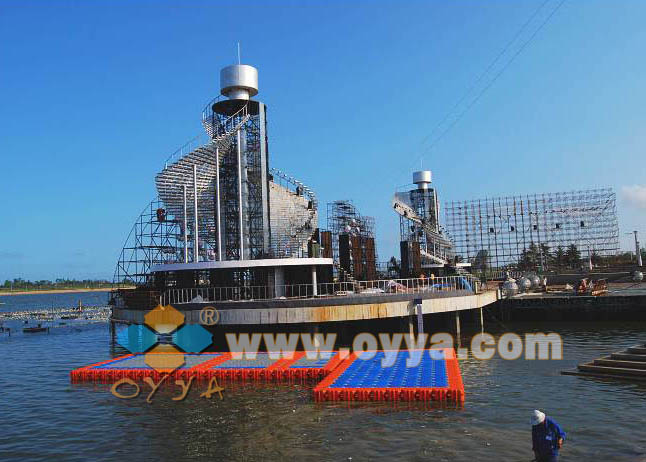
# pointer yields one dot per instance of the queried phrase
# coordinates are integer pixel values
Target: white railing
(498, 274)
(332, 289)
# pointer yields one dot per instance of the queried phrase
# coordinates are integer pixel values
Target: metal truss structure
(153, 239)
(419, 222)
(348, 228)
(165, 232)
(497, 232)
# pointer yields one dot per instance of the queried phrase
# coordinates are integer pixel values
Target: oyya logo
(163, 331)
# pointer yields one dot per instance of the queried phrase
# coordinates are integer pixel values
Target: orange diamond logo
(164, 358)
(164, 319)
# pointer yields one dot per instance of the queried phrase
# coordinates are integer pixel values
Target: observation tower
(223, 219)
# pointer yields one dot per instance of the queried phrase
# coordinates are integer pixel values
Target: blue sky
(95, 95)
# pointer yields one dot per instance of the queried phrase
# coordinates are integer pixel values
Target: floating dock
(435, 378)
(134, 366)
(204, 366)
(366, 376)
(303, 368)
(629, 364)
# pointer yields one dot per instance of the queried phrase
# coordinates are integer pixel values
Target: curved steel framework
(234, 159)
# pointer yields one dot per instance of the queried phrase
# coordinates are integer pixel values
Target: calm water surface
(47, 301)
(44, 417)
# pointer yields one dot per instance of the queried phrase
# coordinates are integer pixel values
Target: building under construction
(424, 248)
(498, 232)
(228, 233)
(350, 241)
(223, 218)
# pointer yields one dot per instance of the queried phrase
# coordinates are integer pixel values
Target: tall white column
(240, 204)
(217, 201)
(638, 252)
(185, 227)
(196, 243)
(314, 283)
(279, 281)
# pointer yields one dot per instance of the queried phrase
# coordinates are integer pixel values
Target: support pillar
(196, 231)
(481, 321)
(185, 226)
(411, 324)
(420, 316)
(316, 342)
(457, 328)
(217, 202)
(314, 283)
(279, 281)
(240, 204)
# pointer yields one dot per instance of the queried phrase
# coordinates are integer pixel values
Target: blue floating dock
(371, 377)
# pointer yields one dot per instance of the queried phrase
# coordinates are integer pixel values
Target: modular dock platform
(419, 375)
(433, 376)
(204, 366)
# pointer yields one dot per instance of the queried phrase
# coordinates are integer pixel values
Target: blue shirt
(545, 438)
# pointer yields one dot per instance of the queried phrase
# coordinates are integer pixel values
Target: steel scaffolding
(155, 238)
(356, 233)
(498, 232)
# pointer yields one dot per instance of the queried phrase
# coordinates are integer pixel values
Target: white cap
(537, 417)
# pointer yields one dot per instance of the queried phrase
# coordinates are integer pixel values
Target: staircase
(629, 364)
(178, 170)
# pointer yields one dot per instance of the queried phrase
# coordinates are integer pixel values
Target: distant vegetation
(20, 284)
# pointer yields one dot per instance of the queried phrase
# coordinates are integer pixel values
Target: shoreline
(59, 291)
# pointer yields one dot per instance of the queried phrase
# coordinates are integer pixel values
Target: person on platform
(547, 437)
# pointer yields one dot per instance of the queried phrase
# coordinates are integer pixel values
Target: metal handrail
(331, 289)
(224, 130)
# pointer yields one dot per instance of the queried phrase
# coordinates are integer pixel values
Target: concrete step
(603, 370)
(604, 375)
(628, 357)
(639, 350)
(608, 362)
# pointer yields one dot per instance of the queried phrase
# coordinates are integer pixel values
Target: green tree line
(44, 284)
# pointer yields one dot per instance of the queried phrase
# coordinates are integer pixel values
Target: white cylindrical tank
(638, 276)
(422, 178)
(239, 81)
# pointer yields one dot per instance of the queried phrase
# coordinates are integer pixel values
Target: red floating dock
(302, 368)
(436, 377)
(134, 366)
(367, 376)
(236, 366)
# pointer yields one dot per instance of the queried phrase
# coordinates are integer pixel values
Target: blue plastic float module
(261, 361)
(369, 373)
(318, 363)
(137, 361)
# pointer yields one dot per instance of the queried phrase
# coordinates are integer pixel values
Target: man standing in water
(547, 438)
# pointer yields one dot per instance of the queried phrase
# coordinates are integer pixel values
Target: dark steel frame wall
(504, 227)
